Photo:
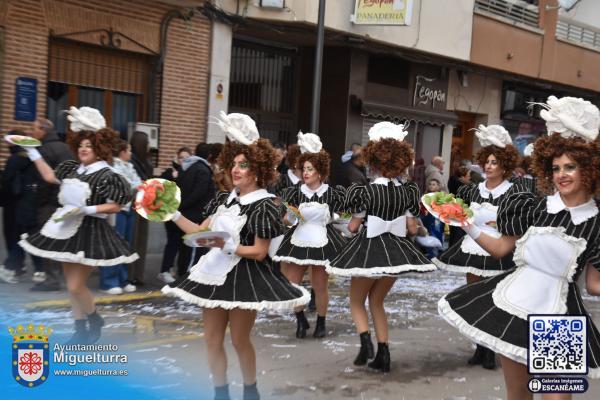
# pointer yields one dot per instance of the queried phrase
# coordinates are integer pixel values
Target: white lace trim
(378, 271)
(478, 336)
(298, 261)
(228, 305)
(86, 191)
(78, 258)
(316, 242)
(498, 295)
(465, 269)
(515, 353)
(64, 229)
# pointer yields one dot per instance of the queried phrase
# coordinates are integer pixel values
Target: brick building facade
(107, 51)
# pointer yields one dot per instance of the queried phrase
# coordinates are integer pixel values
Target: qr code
(557, 344)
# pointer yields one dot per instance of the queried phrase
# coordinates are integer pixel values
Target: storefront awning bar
(401, 114)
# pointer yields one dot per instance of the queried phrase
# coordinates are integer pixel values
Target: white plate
(11, 139)
(437, 216)
(140, 195)
(191, 238)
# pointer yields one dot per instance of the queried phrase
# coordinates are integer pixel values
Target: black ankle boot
(81, 335)
(477, 357)
(382, 359)
(96, 324)
(320, 331)
(222, 392)
(301, 325)
(366, 351)
(489, 359)
(251, 392)
(312, 305)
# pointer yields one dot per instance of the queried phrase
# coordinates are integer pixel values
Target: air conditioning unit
(152, 130)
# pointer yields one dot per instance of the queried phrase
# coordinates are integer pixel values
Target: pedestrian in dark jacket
(353, 170)
(197, 189)
(140, 158)
(54, 151)
(174, 234)
(20, 182)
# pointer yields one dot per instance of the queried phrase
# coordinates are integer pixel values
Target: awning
(401, 114)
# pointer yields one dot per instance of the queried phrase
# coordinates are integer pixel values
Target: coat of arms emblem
(30, 354)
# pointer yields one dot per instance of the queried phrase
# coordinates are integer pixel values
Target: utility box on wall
(152, 130)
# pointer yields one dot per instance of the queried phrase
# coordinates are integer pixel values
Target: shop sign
(25, 99)
(382, 12)
(426, 93)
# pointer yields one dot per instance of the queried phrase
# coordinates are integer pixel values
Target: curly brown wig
(389, 157)
(104, 142)
(260, 155)
(586, 155)
(525, 163)
(321, 161)
(291, 159)
(507, 157)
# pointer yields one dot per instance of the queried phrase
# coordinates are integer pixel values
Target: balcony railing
(577, 33)
(515, 10)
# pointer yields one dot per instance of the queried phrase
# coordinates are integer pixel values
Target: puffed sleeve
(264, 220)
(338, 198)
(413, 198)
(63, 169)
(356, 200)
(465, 192)
(290, 195)
(594, 259)
(117, 189)
(211, 207)
(516, 213)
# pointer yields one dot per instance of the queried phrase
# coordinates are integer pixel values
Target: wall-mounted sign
(382, 12)
(272, 3)
(426, 93)
(25, 99)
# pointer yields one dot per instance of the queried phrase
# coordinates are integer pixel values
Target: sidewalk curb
(123, 298)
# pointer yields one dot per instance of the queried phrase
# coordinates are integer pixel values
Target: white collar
(495, 192)
(579, 214)
(248, 198)
(292, 176)
(384, 181)
(93, 167)
(308, 192)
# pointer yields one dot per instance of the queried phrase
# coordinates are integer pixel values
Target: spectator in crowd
(280, 151)
(20, 183)
(433, 225)
(418, 174)
(114, 280)
(174, 234)
(54, 151)
(460, 177)
(221, 179)
(435, 171)
(140, 158)
(197, 189)
(353, 170)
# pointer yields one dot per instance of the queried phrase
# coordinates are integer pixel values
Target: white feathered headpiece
(388, 130)
(493, 135)
(238, 127)
(571, 116)
(528, 150)
(85, 119)
(309, 143)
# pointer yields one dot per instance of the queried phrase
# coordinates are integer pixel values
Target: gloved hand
(176, 216)
(32, 153)
(472, 230)
(229, 247)
(74, 212)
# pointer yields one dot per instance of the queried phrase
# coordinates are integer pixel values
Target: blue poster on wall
(25, 99)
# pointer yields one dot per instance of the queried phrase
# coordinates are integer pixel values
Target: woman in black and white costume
(553, 240)
(236, 277)
(381, 250)
(293, 176)
(312, 241)
(498, 158)
(78, 234)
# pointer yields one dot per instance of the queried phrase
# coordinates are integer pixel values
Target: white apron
(312, 232)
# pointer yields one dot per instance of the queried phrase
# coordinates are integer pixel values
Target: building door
(462, 140)
(263, 86)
